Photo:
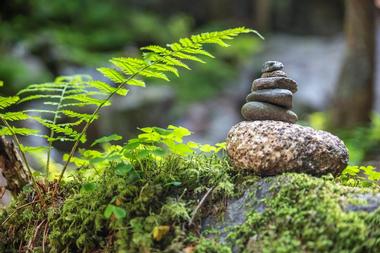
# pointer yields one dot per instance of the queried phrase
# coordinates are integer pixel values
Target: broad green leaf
(88, 187)
(106, 139)
(118, 212)
(123, 169)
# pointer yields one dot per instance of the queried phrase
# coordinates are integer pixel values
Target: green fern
(61, 106)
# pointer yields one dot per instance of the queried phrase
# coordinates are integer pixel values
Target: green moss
(306, 214)
(153, 194)
(302, 213)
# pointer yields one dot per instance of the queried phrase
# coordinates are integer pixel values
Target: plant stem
(92, 118)
(52, 131)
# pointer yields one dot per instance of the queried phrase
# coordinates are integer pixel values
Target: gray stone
(272, 147)
(265, 111)
(270, 66)
(280, 97)
(274, 83)
(274, 74)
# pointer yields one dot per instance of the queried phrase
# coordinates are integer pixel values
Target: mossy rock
(300, 213)
(286, 213)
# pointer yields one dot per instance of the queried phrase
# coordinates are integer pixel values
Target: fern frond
(106, 88)
(8, 101)
(14, 116)
(5, 131)
(113, 75)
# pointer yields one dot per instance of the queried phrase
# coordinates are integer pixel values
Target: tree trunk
(355, 91)
(263, 15)
(11, 168)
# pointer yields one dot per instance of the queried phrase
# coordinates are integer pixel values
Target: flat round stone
(270, 66)
(264, 111)
(280, 97)
(274, 83)
(276, 73)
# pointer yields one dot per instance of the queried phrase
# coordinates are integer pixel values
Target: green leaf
(113, 75)
(14, 116)
(106, 88)
(88, 187)
(118, 212)
(8, 101)
(123, 169)
(136, 82)
(36, 149)
(106, 139)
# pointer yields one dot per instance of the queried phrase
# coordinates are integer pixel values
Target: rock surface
(271, 66)
(264, 111)
(272, 212)
(273, 147)
(274, 74)
(279, 97)
(274, 83)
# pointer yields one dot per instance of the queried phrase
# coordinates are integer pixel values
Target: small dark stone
(280, 97)
(277, 73)
(264, 111)
(270, 66)
(274, 83)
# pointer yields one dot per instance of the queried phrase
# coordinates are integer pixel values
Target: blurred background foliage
(40, 39)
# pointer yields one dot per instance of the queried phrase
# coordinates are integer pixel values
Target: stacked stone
(271, 96)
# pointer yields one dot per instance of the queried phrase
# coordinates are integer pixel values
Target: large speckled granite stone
(272, 147)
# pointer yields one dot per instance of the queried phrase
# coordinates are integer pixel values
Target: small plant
(364, 176)
(59, 106)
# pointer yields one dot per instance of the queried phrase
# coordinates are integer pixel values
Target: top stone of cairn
(271, 66)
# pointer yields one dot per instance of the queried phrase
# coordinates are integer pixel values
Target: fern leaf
(82, 116)
(38, 96)
(187, 57)
(136, 82)
(33, 149)
(14, 116)
(154, 74)
(18, 131)
(197, 51)
(106, 88)
(87, 100)
(112, 74)
(166, 68)
(8, 101)
(156, 49)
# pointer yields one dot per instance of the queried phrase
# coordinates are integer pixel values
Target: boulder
(273, 147)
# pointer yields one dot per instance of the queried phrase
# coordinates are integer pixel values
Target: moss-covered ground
(158, 206)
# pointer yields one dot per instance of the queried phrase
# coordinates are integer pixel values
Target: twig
(31, 242)
(44, 237)
(200, 205)
(17, 209)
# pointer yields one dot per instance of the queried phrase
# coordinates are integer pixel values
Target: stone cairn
(268, 143)
(271, 96)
